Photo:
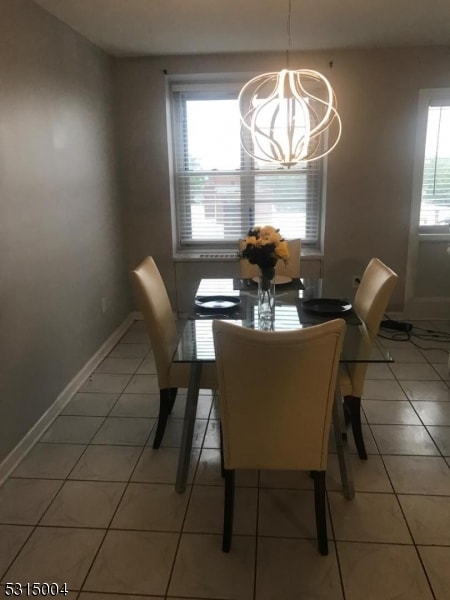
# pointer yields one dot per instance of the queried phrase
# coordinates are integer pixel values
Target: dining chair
(161, 327)
(276, 391)
(289, 269)
(370, 303)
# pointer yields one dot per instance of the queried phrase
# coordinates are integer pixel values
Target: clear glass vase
(266, 297)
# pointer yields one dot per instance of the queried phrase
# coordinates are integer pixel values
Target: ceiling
(164, 27)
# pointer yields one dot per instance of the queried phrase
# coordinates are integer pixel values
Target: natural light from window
(220, 191)
(435, 204)
(213, 143)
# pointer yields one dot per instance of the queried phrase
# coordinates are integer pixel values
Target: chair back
(370, 303)
(292, 267)
(276, 391)
(373, 294)
(158, 316)
(289, 269)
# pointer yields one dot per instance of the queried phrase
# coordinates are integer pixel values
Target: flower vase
(266, 297)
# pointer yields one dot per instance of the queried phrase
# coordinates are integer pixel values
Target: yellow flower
(264, 246)
(275, 238)
(266, 230)
(282, 250)
(270, 234)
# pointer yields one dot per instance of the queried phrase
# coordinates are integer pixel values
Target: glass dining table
(295, 307)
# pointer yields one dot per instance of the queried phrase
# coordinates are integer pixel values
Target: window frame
(427, 98)
(219, 87)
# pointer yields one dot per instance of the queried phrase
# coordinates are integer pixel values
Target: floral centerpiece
(263, 247)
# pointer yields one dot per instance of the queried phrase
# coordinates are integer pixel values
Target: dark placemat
(249, 284)
(307, 316)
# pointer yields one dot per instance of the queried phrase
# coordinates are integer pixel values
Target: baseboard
(397, 316)
(28, 441)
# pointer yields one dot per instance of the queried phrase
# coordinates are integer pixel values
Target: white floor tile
(202, 570)
(151, 506)
(55, 554)
(428, 518)
(24, 501)
(368, 518)
(436, 561)
(49, 461)
(124, 431)
(418, 474)
(381, 571)
(84, 504)
(106, 463)
(291, 569)
(404, 439)
(133, 562)
(90, 404)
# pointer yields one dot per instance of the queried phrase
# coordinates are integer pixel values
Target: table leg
(342, 448)
(188, 427)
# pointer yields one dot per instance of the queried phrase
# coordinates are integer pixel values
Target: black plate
(327, 306)
(217, 303)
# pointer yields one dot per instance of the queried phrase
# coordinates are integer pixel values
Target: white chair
(276, 391)
(289, 269)
(161, 327)
(370, 303)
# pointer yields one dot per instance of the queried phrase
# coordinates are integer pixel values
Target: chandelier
(289, 116)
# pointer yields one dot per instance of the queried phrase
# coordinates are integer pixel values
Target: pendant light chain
(288, 26)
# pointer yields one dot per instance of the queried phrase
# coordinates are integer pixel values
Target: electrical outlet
(356, 279)
(103, 304)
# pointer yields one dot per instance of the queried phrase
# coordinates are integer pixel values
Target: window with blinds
(435, 199)
(219, 191)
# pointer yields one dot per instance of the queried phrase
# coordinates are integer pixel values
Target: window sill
(306, 253)
(434, 237)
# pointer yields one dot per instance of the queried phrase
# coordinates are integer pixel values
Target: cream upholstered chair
(370, 303)
(276, 391)
(161, 327)
(289, 269)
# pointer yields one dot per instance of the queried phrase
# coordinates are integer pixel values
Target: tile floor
(94, 506)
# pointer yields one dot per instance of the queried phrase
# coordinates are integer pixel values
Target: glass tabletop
(196, 342)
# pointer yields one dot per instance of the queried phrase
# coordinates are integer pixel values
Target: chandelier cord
(288, 29)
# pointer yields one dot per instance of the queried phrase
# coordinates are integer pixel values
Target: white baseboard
(397, 316)
(27, 442)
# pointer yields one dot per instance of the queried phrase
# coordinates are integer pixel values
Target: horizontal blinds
(220, 192)
(435, 204)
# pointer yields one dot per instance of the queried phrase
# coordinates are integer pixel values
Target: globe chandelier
(290, 116)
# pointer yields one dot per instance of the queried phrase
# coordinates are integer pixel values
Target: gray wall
(370, 173)
(61, 244)
(434, 267)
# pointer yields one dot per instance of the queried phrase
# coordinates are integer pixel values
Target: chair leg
(320, 510)
(346, 421)
(228, 510)
(222, 467)
(353, 405)
(165, 406)
(347, 418)
(173, 396)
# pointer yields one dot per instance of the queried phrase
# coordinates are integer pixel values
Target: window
(435, 189)
(219, 191)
